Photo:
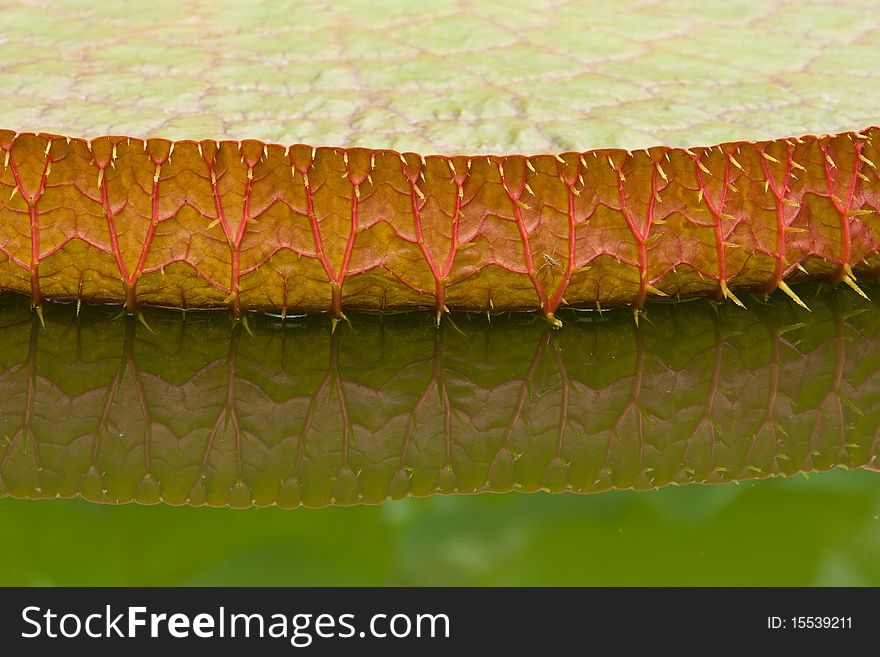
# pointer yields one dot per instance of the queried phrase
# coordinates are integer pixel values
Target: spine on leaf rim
(255, 226)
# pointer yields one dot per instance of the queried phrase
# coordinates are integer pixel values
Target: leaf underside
(256, 226)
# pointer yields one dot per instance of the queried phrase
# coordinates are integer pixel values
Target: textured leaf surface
(251, 225)
(294, 415)
(522, 76)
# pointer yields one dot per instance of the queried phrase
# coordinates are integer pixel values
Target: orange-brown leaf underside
(256, 226)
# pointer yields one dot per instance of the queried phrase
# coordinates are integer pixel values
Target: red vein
(313, 224)
(235, 276)
(842, 209)
(527, 248)
(416, 208)
(639, 238)
(110, 216)
(778, 195)
(34, 217)
(131, 295)
(572, 243)
(716, 214)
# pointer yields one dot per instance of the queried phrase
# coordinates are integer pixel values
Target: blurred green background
(821, 531)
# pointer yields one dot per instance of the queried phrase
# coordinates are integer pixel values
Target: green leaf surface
(442, 77)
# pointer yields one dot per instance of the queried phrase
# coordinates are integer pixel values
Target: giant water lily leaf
(201, 412)
(254, 225)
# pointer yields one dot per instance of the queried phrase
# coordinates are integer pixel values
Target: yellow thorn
(636, 315)
(794, 297)
(769, 157)
(334, 321)
(851, 281)
(797, 166)
(452, 323)
(830, 161)
(653, 290)
(143, 321)
(78, 304)
(730, 295)
(661, 172)
(39, 309)
(734, 162)
(247, 326)
(867, 161)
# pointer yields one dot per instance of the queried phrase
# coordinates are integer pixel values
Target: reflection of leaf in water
(201, 412)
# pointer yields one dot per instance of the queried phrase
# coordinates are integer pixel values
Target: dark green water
(628, 424)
